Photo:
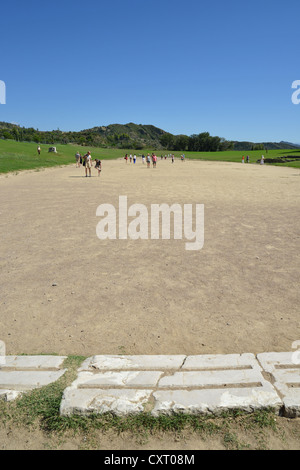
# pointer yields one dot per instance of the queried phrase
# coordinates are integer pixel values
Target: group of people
(262, 160)
(150, 158)
(86, 161)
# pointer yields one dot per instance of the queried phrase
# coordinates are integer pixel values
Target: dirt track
(240, 293)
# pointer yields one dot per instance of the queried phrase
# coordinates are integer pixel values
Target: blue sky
(184, 66)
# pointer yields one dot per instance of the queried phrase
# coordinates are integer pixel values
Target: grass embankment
(39, 410)
(17, 156)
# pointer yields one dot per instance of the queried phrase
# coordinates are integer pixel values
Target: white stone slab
(33, 362)
(211, 378)
(27, 380)
(19, 374)
(118, 379)
(288, 376)
(196, 384)
(271, 360)
(117, 401)
(139, 362)
(215, 401)
(220, 361)
(285, 372)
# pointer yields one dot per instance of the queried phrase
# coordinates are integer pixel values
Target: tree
(181, 143)
(167, 141)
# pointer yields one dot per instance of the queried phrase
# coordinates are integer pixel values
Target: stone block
(19, 374)
(215, 401)
(285, 372)
(211, 378)
(116, 401)
(27, 380)
(33, 362)
(220, 361)
(139, 362)
(130, 379)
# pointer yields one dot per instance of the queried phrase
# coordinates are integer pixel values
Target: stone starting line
(162, 384)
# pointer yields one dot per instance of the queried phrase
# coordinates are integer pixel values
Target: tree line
(202, 142)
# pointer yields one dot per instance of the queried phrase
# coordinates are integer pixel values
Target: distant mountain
(134, 136)
(290, 145)
(244, 146)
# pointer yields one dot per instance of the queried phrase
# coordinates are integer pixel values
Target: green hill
(128, 135)
(134, 136)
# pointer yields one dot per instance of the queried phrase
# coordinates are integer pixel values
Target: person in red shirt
(154, 160)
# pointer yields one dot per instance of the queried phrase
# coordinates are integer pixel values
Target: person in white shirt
(88, 164)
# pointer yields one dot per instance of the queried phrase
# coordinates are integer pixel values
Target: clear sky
(225, 67)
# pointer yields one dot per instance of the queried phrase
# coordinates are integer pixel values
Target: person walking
(77, 157)
(88, 164)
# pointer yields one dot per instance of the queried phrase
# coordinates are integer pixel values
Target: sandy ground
(286, 437)
(239, 293)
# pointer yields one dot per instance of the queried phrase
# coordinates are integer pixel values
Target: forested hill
(134, 136)
(115, 135)
(127, 135)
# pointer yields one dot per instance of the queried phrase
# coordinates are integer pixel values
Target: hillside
(244, 146)
(134, 136)
(124, 136)
(128, 135)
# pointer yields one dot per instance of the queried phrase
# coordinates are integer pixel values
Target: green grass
(17, 156)
(254, 156)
